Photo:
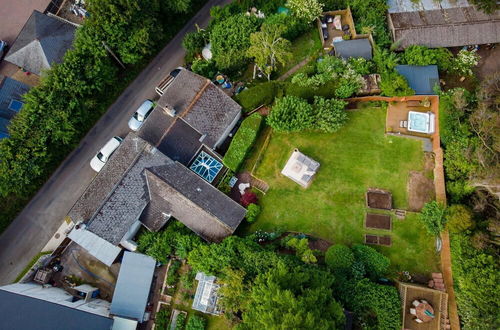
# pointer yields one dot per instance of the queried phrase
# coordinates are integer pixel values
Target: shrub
(261, 94)
(172, 275)
(458, 218)
(330, 115)
(253, 211)
(422, 55)
(339, 258)
(361, 65)
(294, 26)
(180, 322)
(306, 10)
(375, 264)
(162, 318)
(371, 15)
(432, 215)
(394, 84)
(463, 63)
(291, 114)
(242, 142)
(248, 198)
(196, 322)
(302, 250)
(204, 68)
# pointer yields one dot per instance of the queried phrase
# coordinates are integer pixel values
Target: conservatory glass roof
(206, 166)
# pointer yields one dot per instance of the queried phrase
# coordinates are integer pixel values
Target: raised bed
(378, 221)
(379, 199)
(378, 240)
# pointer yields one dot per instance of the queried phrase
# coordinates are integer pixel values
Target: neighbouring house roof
(133, 286)
(11, 96)
(23, 312)
(300, 168)
(205, 298)
(181, 143)
(421, 78)
(441, 23)
(353, 48)
(42, 41)
(139, 183)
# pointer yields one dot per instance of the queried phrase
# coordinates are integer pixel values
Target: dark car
(3, 48)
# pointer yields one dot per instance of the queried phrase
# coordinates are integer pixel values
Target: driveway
(40, 219)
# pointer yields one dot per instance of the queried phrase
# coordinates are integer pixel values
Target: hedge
(261, 94)
(242, 142)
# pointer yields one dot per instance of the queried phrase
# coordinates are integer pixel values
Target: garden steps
(259, 184)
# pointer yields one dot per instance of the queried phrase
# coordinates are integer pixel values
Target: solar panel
(206, 166)
(15, 105)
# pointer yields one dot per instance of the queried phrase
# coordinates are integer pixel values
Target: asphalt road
(41, 218)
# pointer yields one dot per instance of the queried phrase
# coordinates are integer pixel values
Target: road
(43, 215)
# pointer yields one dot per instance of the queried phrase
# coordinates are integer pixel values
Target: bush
(394, 84)
(242, 142)
(370, 16)
(248, 198)
(253, 211)
(463, 63)
(261, 94)
(459, 218)
(196, 322)
(330, 115)
(162, 318)
(180, 322)
(294, 26)
(422, 55)
(339, 258)
(172, 275)
(375, 263)
(432, 215)
(291, 114)
(204, 68)
(194, 42)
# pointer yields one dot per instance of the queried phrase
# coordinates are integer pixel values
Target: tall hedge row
(242, 142)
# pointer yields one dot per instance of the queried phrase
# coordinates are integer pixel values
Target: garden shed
(353, 48)
(300, 168)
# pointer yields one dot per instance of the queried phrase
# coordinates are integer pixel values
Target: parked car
(140, 115)
(99, 160)
(3, 48)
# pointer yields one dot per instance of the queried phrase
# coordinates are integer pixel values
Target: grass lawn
(356, 157)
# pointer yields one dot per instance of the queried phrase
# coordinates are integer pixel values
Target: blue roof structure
(11, 90)
(133, 285)
(421, 78)
(206, 166)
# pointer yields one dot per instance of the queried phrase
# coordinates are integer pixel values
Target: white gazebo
(300, 168)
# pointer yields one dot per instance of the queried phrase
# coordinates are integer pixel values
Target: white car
(140, 115)
(97, 163)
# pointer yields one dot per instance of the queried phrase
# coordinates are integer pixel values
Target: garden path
(294, 69)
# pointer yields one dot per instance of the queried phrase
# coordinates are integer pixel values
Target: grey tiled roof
(182, 91)
(212, 114)
(354, 48)
(42, 41)
(194, 202)
(126, 203)
(155, 126)
(181, 143)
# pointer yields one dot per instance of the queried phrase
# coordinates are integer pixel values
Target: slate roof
(421, 78)
(133, 285)
(125, 204)
(10, 89)
(353, 48)
(23, 312)
(42, 41)
(181, 143)
(193, 201)
(201, 104)
(441, 24)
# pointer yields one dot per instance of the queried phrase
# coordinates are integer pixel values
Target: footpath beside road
(44, 214)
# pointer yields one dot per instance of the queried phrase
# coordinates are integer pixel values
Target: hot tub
(421, 122)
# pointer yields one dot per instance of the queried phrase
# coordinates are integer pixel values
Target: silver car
(140, 115)
(99, 160)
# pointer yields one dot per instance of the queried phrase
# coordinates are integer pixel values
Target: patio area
(412, 117)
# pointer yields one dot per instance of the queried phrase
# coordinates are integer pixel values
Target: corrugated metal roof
(95, 245)
(133, 286)
(421, 79)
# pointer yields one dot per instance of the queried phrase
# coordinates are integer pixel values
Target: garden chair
(413, 311)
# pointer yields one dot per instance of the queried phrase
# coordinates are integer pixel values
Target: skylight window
(206, 166)
(15, 105)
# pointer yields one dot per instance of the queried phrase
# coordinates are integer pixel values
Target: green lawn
(356, 157)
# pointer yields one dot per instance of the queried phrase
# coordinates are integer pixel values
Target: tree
(234, 293)
(422, 55)
(375, 264)
(194, 42)
(394, 84)
(293, 298)
(230, 41)
(458, 218)
(291, 114)
(196, 322)
(488, 6)
(339, 258)
(330, 114)
(307, 10)
(269, 48)
(204, 68)
(432, 215)
(464, 62)
(302, 250)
